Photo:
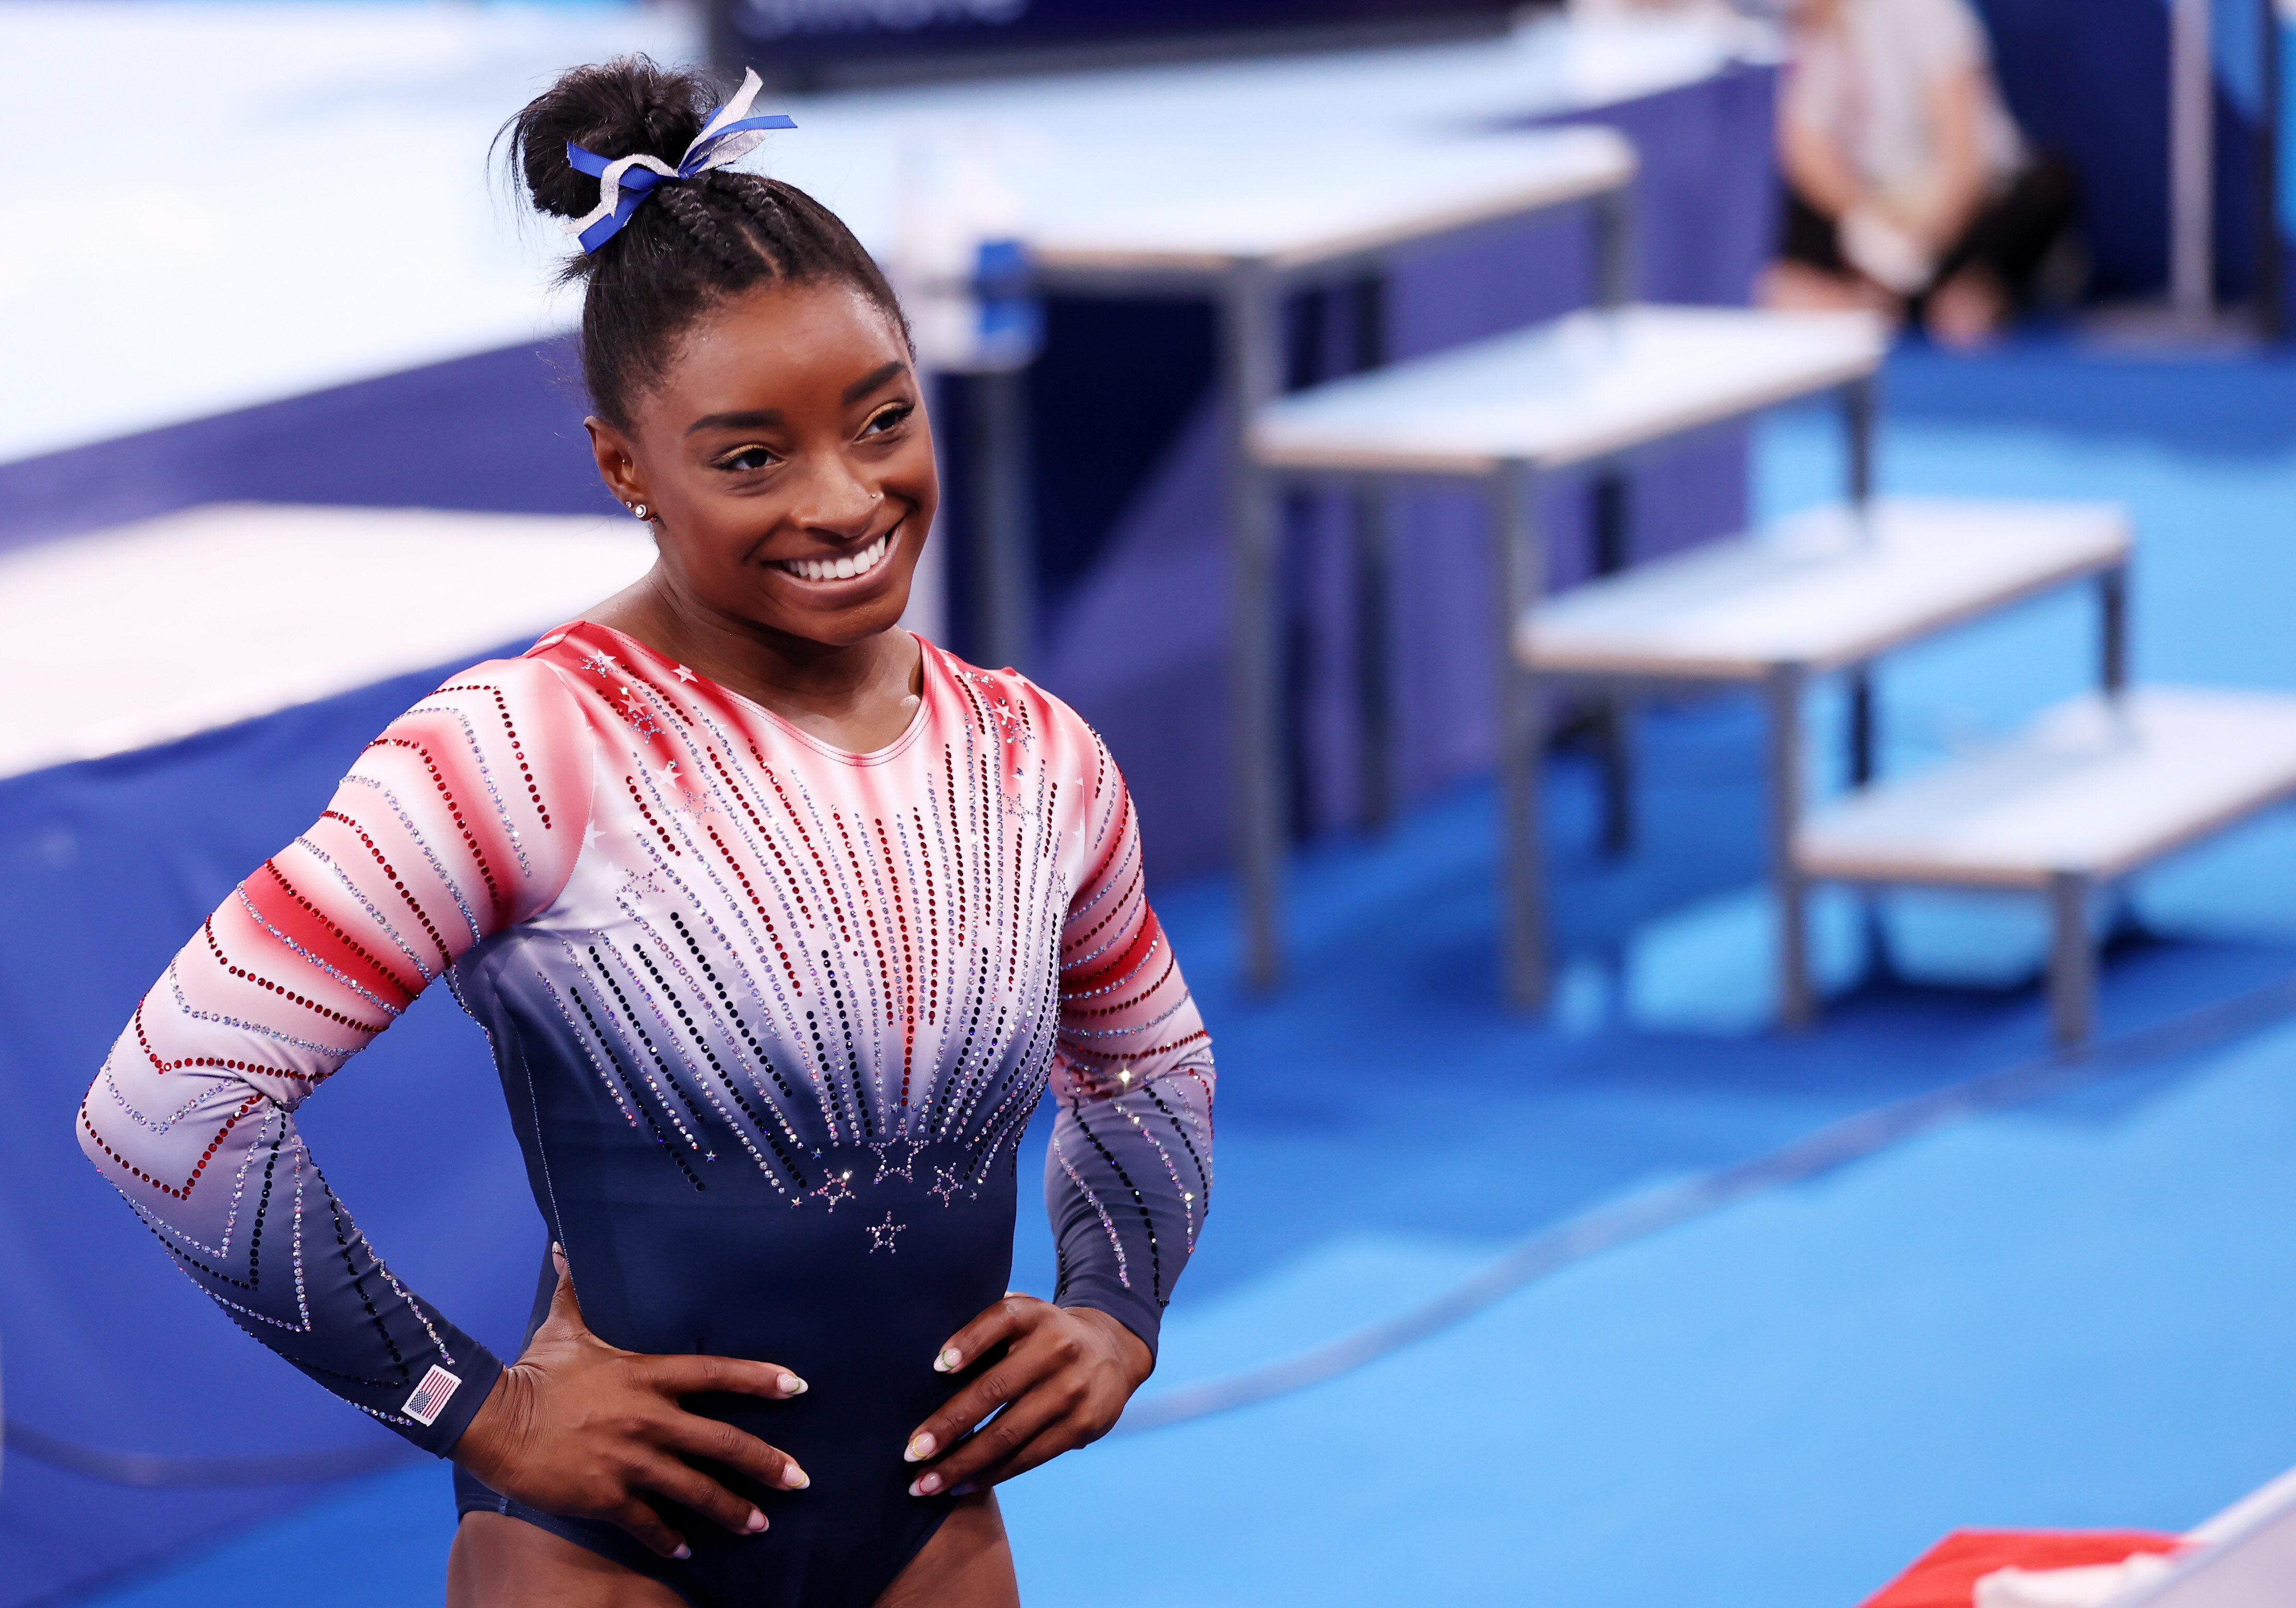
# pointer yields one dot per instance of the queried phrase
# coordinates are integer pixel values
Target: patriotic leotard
(770, 1018)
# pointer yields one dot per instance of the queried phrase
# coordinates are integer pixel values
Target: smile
(845, 566)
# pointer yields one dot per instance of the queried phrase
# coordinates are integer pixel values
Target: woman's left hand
(1064, 1377)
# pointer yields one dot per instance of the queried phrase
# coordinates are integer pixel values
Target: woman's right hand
(579, 1428)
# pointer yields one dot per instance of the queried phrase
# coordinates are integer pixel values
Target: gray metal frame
(2072, 959)
(1251, 365)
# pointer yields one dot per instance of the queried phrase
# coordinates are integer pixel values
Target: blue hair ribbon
(624, 182)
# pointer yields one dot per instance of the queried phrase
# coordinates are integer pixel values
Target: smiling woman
(781, 923)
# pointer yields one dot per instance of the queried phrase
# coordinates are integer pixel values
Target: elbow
(91, 1144)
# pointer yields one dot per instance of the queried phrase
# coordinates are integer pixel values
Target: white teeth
(844, 567)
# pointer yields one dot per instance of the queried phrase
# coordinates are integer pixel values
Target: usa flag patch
(430, 1397)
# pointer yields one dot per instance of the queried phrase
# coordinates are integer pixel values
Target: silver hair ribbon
(625, 181)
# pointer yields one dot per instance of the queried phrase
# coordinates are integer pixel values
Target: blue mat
(2058, 1316)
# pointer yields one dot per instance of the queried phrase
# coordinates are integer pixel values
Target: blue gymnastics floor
(2073, 1312)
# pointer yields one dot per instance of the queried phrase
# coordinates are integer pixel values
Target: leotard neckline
(828, 751)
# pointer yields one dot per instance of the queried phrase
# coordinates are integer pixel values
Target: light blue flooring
(2078, 1313)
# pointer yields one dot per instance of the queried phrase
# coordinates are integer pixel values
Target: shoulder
(517, 718)
(1008, 704)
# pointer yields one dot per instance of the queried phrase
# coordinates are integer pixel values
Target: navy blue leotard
(770, 1018)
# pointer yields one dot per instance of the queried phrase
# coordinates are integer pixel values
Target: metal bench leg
(1614, 247)
(1249, 337)
(1375, 669)
(1003, 557)
(2072, 960)
(1865, 764)
(1615, 754)
(2112, 630)
(1519, 570)
(1797, 998)
(1613, 551)
(1858, 403)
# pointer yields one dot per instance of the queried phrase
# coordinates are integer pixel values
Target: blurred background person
(1908, 188)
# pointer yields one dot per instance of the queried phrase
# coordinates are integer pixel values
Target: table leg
(1614, 247)
(2072, 960)
(1003, 564)
(1858, 408)
(1375, 668)
(2112, 625)
(1797, 998)
(1519, 563)
(1613, 735)
(1864, 743)
(1250, 359)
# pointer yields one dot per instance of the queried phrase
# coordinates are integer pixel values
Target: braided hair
(691, 245)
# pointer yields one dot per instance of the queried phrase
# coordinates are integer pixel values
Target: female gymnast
(779, 921)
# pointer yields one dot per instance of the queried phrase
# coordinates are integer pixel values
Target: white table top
(177, 624)
(1584, 387)
(1196, 213)
(340, 222)
(1820, 589)
(2088, 787)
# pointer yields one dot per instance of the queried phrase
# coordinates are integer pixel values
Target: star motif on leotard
(590, 835)
(881, 1234)
(885, 1167)
(603, 663)
(683, 674)
(837, 1187)
(947, 1182)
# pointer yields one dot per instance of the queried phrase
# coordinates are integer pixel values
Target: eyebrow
(871, 380)
(767, 418)
(771, 418)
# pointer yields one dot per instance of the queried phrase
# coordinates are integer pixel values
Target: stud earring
(638, 509)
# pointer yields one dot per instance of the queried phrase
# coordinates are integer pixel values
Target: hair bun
(626, 107)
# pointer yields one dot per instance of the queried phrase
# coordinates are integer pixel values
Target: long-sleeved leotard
(770, 1018)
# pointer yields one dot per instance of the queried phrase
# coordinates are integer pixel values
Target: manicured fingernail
(757, 1521)
(791, 1386)
(683, 1552)
(920, 1448)
(926, 1485)
(794, 1478)
(948, 1361)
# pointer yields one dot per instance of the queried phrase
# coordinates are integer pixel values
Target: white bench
(1582, 392)
(2092, 790)
(1190, 217)
(1828, 590)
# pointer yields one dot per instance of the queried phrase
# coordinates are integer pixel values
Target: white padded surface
(353, 230)
(179, 625)
(1587, 385)
(2090, 786)
(1820, 589)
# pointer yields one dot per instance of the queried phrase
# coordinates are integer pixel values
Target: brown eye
(887, 417)
(749, 457)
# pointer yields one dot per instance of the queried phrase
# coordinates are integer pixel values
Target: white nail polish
(683, 1552)
(757, 1521)
(948, 1361)
(791, 1386)
(794, 1478)
(927, 1484)
(919, 1449)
